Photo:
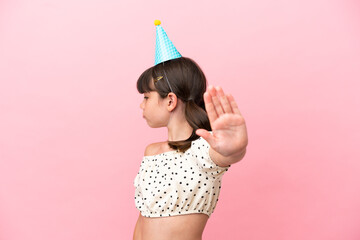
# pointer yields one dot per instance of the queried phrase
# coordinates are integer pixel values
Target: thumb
(206, 135)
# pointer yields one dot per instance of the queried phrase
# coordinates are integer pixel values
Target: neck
(178, 132)
(178, 128)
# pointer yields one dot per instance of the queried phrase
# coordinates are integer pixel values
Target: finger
(216, 101)
(209, 106)
(206, 135)
(224, 100)
(233, 104)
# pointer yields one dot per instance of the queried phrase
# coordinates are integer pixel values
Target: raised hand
(229, 134)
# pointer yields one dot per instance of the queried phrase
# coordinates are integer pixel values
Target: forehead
(152, 93)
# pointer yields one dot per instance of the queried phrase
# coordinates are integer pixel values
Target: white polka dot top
(175, 183)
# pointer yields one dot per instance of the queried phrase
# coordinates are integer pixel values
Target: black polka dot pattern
(175, 183)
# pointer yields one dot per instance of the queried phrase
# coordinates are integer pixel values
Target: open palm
(229, 134)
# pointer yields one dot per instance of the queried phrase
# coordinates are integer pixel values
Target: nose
(142, 105)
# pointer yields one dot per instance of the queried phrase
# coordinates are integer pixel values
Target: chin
(152, 125)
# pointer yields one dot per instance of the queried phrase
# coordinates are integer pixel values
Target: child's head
(187, 81)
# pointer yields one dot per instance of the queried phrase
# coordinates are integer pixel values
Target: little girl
(179, 181)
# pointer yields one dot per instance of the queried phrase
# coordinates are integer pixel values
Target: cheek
(145, 103)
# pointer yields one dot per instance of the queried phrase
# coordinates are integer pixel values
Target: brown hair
(188, 83)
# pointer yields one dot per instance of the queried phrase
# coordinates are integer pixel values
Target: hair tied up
(196, 116)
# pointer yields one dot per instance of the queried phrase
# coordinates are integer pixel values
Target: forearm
(224, 161)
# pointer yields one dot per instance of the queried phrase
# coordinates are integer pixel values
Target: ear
(171, 101)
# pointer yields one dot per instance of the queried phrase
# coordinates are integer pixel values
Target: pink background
(72, 135)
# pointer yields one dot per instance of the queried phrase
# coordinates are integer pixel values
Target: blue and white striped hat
(165, 49)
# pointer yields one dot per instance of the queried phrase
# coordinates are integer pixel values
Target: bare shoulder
(156, 148)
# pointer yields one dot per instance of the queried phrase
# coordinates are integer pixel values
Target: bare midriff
(180, 227)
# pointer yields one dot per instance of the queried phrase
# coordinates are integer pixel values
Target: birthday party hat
(165, 49)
